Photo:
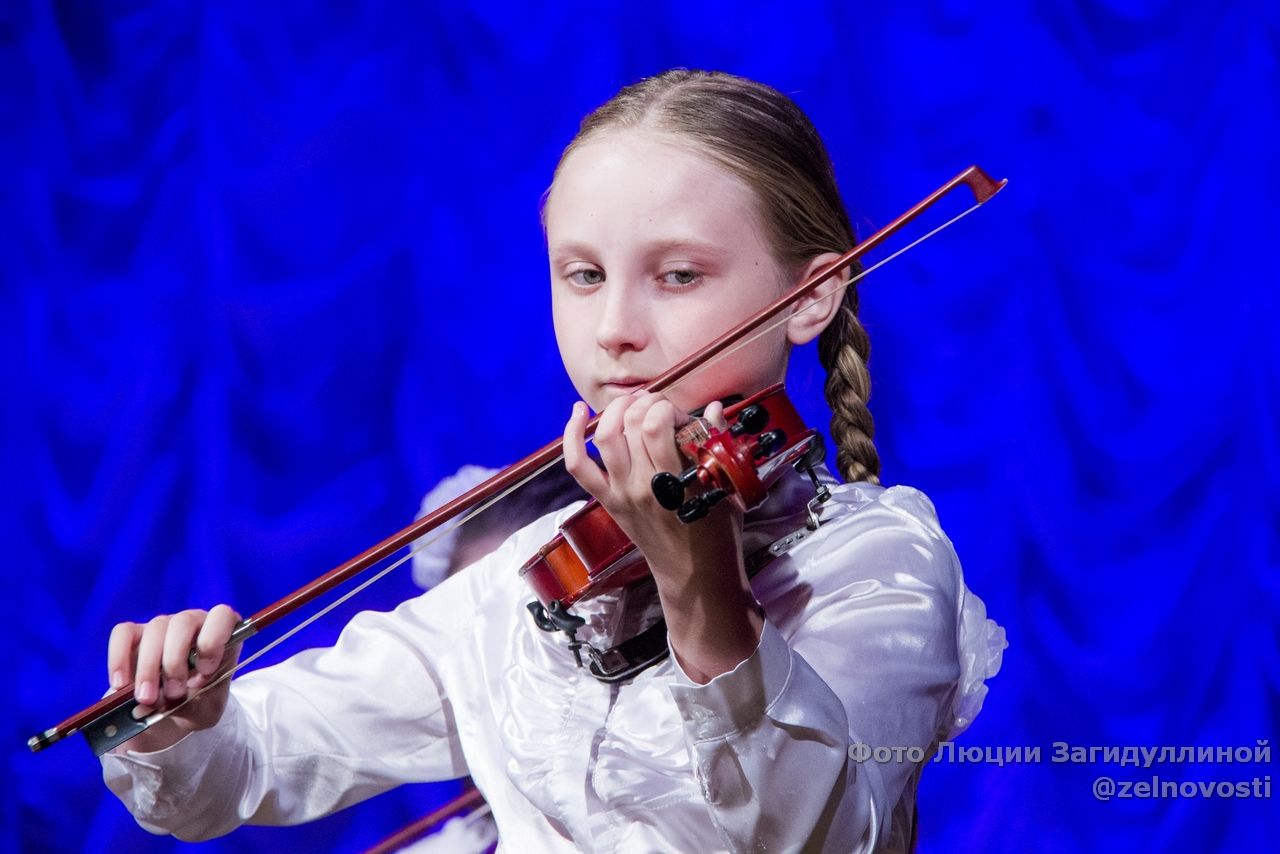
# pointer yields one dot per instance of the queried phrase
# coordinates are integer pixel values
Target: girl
(684, 204)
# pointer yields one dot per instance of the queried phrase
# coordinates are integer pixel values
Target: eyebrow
(678, 244)
(658, 247)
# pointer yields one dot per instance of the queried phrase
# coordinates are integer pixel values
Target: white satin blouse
(871, 639)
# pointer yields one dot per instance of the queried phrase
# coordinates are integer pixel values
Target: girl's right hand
(154, 657)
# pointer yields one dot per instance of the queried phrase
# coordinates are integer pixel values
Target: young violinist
(684, 204)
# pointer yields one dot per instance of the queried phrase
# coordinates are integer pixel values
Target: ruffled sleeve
(873, 651)
(981, 648)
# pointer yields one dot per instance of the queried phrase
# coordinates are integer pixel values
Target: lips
(623, 385)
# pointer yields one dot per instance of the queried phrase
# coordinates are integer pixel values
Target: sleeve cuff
(160, 784)
(735, 700)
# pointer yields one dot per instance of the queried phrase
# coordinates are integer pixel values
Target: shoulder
(876, 601)
(879, 558)
(875, 507)
(894, 533)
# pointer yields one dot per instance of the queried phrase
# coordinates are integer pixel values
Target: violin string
(434, 536)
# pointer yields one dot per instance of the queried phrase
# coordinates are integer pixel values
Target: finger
(211, 643)
(715, 414)
(633, 429)
(176, 658)
(610, 439)
(120, 650)
(638, 434)
(641, 471)
(659, 432)
(147, 674)
(576, 459)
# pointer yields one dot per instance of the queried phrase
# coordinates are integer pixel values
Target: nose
(623, 323)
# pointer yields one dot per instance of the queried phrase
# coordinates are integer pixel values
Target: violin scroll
(738, 463)
(670, 489)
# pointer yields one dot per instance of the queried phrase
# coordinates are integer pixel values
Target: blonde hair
(764, 139)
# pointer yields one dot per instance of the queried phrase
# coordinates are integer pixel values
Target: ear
(813, 313)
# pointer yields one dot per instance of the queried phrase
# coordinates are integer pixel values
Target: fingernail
(140, 711)
(117, 679)
(146, 692)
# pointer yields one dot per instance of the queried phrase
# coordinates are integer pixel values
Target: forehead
(642, 183)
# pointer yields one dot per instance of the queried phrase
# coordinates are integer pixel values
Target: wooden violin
(591, 554)
(721, 464)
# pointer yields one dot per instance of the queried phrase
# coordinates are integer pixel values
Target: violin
(591, 554)
(724, 468)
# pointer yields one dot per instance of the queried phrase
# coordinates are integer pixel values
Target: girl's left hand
(713, 620)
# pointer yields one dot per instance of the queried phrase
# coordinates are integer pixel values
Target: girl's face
(655, 251)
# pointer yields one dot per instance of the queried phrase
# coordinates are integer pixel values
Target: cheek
(694, 323)
(743, 371)
(571, 332)
(560, 315)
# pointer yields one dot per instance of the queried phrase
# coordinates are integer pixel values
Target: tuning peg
(815, 455)
(751, 420)
(695, 508)
(669, 488)
(769, 442)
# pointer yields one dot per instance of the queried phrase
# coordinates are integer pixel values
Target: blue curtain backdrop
(272, 270)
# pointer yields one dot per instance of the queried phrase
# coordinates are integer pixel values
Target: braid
(843, 350)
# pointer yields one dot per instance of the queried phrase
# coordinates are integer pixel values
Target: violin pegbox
(738, 463)
(670, 489)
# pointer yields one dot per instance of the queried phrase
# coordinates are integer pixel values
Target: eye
(681, 278)
(587, 277)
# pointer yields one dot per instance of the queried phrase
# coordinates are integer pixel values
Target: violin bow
(110, 722)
